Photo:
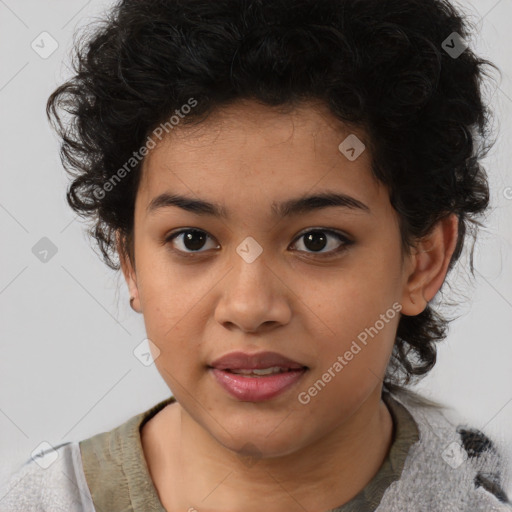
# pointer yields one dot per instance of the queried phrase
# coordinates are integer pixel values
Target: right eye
(193, 240)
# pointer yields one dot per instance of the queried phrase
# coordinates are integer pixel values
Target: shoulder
(52, 480)
(453, 466)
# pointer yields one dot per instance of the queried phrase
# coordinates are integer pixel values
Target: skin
(313, 456)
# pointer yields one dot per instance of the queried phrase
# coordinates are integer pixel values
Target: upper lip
(259, 360)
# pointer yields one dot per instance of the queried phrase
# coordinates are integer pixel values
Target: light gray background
(67, 369)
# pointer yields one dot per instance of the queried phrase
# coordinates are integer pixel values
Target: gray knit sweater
(435, 464)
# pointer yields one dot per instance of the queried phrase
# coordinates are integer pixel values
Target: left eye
(317, 239)
(314, 240)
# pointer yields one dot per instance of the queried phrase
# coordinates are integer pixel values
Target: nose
(254, 297)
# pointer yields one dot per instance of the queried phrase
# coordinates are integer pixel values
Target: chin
(258, 445)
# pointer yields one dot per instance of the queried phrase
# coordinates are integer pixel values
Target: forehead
(309, 122)
(258, 151)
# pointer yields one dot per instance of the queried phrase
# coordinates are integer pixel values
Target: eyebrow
(287, 208)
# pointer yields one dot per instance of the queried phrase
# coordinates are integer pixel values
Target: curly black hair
(392, 67)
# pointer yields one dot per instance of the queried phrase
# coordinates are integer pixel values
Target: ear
(129, 274)
(428, 264)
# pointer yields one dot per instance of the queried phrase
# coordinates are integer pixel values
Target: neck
(195, 471)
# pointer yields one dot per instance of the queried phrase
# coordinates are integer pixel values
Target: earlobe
(429, 264)
(132, 299)
(131, 280)
(129, 276)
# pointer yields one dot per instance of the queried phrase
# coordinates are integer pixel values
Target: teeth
(261, 371)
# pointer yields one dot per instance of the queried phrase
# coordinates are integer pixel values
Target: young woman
(286, 185)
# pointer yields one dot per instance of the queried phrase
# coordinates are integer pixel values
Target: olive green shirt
(118, 476)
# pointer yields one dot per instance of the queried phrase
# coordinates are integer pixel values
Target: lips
(235, 372)
(260, 360)
(247, 388)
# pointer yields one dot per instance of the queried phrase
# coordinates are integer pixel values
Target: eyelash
(342, 238)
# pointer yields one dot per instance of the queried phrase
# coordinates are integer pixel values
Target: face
(321, 286)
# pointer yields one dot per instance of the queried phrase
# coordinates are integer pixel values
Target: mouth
(255, 377)
(257, 384)
(262, 372)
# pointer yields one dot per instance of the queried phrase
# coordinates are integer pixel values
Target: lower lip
(257, 389)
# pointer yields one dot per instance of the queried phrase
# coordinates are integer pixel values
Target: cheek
(168, 295)
(170, 311)
(356, 315)
(348, 300)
